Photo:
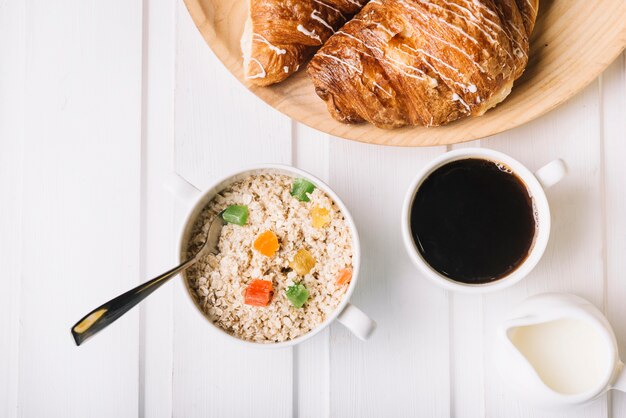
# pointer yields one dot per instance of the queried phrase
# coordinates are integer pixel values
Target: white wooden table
(101, 100)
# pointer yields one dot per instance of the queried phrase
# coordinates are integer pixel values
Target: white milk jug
(558, 350)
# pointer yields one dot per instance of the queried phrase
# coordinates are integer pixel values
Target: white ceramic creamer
(558, 350)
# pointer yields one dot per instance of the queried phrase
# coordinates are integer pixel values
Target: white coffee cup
(543, 178)
(349, 315)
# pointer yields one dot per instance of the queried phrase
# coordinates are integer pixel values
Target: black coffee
(473, 220)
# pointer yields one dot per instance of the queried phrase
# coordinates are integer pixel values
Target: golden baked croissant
(528, 9)
(423, 62)
(280, 35)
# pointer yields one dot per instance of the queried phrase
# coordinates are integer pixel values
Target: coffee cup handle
(181, 188)
(357, 321)
(551, 173)
(620, 382)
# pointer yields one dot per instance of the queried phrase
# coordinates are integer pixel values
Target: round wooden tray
(573, 42)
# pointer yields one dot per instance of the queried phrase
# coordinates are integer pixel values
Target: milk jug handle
(620, 383)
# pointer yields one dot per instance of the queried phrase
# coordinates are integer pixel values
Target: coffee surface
(473, 220)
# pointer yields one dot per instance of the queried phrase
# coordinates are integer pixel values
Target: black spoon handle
(106, 314)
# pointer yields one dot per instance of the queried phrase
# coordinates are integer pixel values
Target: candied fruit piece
(267, 243)
(344, 276)
(320, 217)
(301, 188)
(259, 293)
(297, 295)
(302, 262)
(235, 214)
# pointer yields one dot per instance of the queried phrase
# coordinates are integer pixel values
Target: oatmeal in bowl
(287, 257)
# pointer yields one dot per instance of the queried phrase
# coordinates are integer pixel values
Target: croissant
(528, 9)
(423, 62)
(281, 35)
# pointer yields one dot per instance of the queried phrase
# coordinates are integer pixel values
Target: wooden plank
(219, 129)
(467, 343)
(159, 239)
(573, 260)
(80, 213)
(404, 369)
(312, 358)
(12, 74)
(614, 130)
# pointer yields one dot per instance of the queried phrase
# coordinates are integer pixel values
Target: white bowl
(353, 318)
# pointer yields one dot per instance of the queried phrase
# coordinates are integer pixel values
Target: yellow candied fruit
(302, 262)
(320, 217)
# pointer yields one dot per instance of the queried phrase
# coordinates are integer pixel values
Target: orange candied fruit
(266, 243)
(302, 262)
(259, 293)
(319, 217)
(344, 276)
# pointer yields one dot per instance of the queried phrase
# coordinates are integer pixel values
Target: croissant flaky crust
(412, 62)
(281, 35)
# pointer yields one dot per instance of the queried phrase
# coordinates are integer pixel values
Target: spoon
(106, 314)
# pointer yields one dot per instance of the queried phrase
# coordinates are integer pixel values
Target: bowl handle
(181, 188)
(357, 321)
(551, 173)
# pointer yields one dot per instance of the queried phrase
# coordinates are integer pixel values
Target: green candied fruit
(300, 188)
(297, 295)
(236, 214)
